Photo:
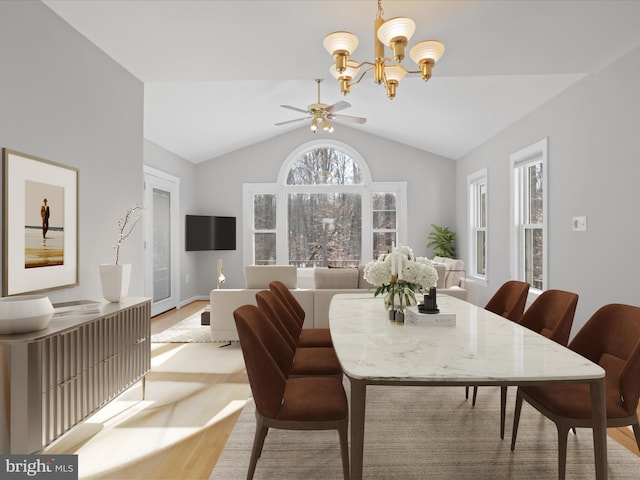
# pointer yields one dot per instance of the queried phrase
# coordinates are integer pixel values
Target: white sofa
(315, 301)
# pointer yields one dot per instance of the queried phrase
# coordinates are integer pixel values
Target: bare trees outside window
(324, 211)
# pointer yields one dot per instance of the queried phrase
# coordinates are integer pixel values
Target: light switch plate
(580, 224)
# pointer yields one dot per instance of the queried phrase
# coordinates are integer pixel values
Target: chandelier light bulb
(427, 50)
(344, 78)
(341, 45)
(426, 54)
(395, 33)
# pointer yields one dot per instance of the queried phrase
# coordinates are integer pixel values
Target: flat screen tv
(205, 232)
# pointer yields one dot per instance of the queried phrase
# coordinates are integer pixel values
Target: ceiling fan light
(326, 126)
(314, 126)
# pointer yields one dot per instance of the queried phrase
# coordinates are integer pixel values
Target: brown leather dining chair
(304, 360)
(301, 403)
(610, 338)
(551, 315)
(309, 337)
(508, 301)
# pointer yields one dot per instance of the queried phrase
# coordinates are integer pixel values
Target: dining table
(478, 348)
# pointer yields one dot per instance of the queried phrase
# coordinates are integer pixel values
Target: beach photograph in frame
(40, 224)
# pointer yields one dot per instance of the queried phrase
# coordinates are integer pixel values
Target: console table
(54, 378)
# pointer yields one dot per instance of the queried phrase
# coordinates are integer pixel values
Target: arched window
(324, 210)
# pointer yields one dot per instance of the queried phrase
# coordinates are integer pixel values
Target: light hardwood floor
(182, 456)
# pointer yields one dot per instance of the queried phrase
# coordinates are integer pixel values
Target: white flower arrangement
(400, 273)
(125, 227)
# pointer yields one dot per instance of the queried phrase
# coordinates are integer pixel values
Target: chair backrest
(509, 300)
(280, 316)
(611, 338)
(551, 315)
(265, 356)
(285, 295)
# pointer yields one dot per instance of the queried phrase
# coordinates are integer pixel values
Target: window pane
(382, 242)
(384, 220)
(533, 257)
(265, 248)
(325, 229)
(384, 210)
(481, 249)
(482, 205)
(534, 177)
(324, 166)
(264, 212)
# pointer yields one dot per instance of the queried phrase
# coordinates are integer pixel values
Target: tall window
(323, 211)
(477, 188)
(529, 234)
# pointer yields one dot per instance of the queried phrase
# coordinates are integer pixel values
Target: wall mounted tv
(210, 233)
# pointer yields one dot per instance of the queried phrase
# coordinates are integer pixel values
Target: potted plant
(115, 277)
(442, 240)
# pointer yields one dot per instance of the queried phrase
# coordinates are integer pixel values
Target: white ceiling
(215, 72)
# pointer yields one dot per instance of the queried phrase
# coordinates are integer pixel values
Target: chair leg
(258, 442)
(344, 449)
(466, 392)
(563, 431)
(516, 420)
(475, 394)
(503, 409)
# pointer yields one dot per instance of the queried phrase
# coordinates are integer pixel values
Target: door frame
(154, 178)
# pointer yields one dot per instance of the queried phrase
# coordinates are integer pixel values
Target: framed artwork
(40, 224)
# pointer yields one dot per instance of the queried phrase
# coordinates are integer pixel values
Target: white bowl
(24, 313)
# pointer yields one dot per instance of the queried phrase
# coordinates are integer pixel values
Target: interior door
(162, 268)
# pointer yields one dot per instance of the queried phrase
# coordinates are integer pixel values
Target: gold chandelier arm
(363, 73)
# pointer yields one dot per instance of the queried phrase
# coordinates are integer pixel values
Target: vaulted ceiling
(216, 72)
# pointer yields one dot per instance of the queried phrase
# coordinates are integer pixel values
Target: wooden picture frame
(39, 239)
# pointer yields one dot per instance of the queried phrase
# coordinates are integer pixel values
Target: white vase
(115, 281)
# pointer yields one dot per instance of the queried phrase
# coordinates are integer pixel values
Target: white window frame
(473, 182)
(531, 155)
(281, 190)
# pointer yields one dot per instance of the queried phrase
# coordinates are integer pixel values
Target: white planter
(115, 281)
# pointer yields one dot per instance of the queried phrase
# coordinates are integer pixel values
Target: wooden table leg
(358, 400)
(599, 416)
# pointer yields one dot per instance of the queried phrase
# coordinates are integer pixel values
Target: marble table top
(481, 348)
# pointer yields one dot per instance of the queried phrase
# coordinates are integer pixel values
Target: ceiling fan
(322, 114)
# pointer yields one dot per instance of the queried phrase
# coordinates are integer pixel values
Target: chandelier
(394, 33)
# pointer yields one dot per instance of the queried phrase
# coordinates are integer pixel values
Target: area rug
(188, 330)
(425, 433)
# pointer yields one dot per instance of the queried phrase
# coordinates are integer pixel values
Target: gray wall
(430, 187)
(64, 100)
(593, 170)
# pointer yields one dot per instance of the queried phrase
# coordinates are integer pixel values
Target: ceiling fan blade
(336, 107)
(292, 121)
(349, 118)
(295, 108)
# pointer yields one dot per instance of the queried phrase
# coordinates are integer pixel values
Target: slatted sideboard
(54, 378)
